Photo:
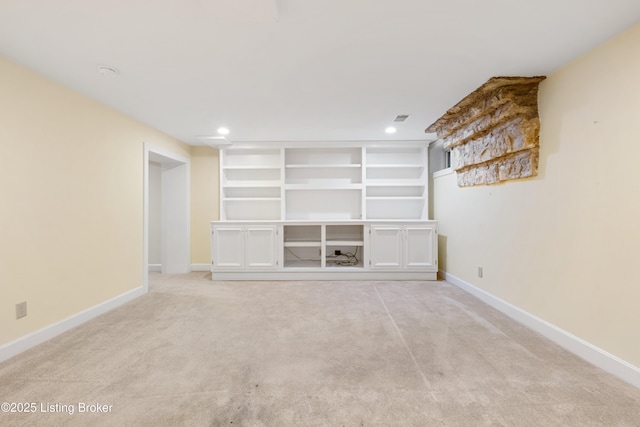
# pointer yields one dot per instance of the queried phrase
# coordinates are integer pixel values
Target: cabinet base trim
(581, 348)
(323, 275)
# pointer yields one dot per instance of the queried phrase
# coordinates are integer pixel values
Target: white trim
(320, 143)
(322, 274)
(589, 352)
(150, 148)
(145, 216)
(26, 342)
(155, 267)
(200, 267)
(442, 172)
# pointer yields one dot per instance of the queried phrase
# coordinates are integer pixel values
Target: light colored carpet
(203, 353)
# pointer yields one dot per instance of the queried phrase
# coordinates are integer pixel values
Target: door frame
(181, 204)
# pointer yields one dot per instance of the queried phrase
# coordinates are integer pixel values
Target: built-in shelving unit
(323, 183)
(336, 183)
(340, 211)
(251, 183)
(396, 183)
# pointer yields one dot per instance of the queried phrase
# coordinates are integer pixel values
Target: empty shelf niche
(399, 208)
(244, 167)
(302, 246)
(252, 158)
(323, 168)
(324, 204)
(344, 246)
(395, 164)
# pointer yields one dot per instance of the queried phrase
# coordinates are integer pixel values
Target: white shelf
(294, 264)
(251, 199)
(410, 209)
(395, 198)
(294, 244)
(396, 166)
(245, 184)
(331, 183)
(356, 267)
(323, 187)
(250, 167)
(323, 166)
(345, 243)
(250, 158)
(247, 209)
(395, 183)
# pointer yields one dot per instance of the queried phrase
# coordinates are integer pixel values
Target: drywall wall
(71, 188)
(563, 246)
(204, 201)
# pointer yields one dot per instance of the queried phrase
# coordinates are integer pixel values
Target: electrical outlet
(21, 310)
(337, 252)
(480, 272)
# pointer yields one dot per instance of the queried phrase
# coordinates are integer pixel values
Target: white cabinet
(238, 247)
(420, 247)
(385, 246)
(316, 250)
(227, 247)
(403, 246)
(338, 210)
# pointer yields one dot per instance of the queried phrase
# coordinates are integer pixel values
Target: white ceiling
(298, 70)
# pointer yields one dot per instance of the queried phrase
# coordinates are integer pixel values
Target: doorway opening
(166, 213)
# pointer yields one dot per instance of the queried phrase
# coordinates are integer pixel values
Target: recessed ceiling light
(390, 129)
(108, 71)
(223, 131)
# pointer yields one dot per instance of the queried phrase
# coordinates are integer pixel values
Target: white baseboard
(200, 267)
(589, 352)
(26, 342)
(194, 267)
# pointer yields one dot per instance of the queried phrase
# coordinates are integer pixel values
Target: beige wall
(204, 201)
(71, 178)
(564, 246)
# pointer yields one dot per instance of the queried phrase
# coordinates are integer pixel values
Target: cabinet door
(261, 247)
(385, 246)
(228, 247)
(419, 247)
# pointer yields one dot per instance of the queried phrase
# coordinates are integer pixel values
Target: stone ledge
(516, 134)
(485, 124)
(493, 133)
(522, 164)
(480, 100)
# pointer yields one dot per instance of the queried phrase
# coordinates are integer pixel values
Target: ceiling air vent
(401, 118)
